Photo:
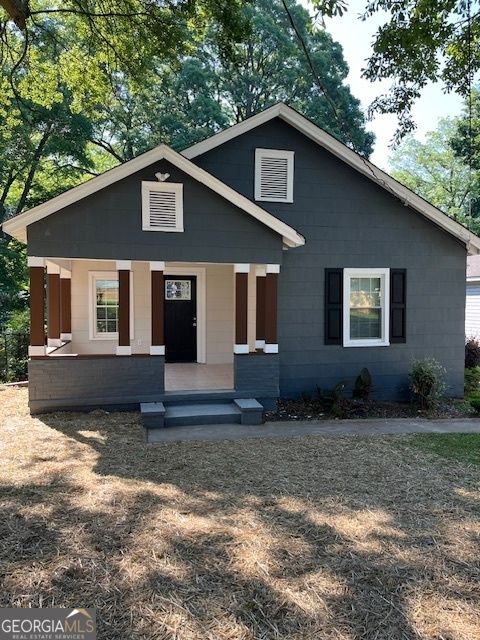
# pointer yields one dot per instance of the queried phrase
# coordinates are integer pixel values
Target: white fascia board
(341, 151)
(16, 227)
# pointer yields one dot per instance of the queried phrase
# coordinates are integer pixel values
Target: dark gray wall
(108, 224)
(95, 381)
(256, 374)
(348, 221)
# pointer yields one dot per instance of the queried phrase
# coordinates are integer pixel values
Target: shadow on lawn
(257, 540)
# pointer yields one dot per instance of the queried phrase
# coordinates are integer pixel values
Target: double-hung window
(104, 305)
(366, 307)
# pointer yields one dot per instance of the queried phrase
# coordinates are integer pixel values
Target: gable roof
(341, 151)
(17, 226)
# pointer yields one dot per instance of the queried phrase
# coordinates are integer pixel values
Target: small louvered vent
(162, 206)
(163, 209)
(274, 178)
(274, 175)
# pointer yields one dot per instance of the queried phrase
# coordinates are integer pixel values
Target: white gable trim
(17, 227)
(341, 151)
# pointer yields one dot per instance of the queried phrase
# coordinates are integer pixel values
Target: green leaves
(434, 170)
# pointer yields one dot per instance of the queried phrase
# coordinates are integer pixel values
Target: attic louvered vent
(274, 175)
(162, 206)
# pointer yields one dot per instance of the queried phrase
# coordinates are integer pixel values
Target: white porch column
(53, 304)
(157, 348)
(271, 303)
(241, 308)
(124, 268)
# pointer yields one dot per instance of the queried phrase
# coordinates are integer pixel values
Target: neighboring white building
(472, 309)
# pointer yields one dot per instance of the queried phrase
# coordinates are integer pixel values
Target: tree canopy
(435, 171)
(85, 85)
(431, 40)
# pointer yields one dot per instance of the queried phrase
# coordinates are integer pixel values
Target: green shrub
(363, 385)
(427, 382)
(472, 380)
(332, 400)
(472, 353)
(475, 402)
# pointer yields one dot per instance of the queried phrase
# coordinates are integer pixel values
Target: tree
(466, 141)
(432, 40)
(434, 171)
(271, 65)
(211, 90)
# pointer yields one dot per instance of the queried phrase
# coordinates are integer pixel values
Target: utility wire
(338, 118)
(470, 105)
(316, 76)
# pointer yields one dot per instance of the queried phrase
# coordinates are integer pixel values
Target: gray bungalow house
(260, 263)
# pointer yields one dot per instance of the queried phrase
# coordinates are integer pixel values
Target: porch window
(366, 307)
(104, 306)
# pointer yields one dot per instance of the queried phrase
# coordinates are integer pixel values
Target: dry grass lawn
(318, 538)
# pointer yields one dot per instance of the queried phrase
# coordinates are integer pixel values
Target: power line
(317, 78)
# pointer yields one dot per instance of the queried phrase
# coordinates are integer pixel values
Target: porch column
(53, 305)
(37, 306)
(271, 289)
(157, 347)
(241, 308)
(65, 304)
(260, 308)
(123, 268)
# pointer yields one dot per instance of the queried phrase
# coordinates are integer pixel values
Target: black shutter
(398, 305)
(333, 306)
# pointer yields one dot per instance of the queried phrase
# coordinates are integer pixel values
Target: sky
(356, 38)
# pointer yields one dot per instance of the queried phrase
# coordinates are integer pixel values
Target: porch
(126, 332)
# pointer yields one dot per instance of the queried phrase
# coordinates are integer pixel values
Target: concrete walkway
(375, 427)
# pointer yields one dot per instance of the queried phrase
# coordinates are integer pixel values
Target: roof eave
(17, 227)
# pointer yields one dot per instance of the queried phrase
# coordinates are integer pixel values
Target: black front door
(180, 318)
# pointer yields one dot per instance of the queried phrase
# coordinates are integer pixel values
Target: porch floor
(195, 376)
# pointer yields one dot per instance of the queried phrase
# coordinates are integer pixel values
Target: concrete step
(252, 410)
(156, 415)
(179, 415)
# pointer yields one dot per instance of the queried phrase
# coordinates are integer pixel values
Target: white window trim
(170, 187)
(93, 276)
(384, 274)
(275, 153)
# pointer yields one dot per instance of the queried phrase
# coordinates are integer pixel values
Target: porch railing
(13, 356)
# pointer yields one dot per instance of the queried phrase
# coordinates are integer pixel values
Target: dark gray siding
(108, 224)
(348, 221)
(107, 381)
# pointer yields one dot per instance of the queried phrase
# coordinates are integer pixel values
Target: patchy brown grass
(330, 538)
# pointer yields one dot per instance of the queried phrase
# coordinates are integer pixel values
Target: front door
(180, 318)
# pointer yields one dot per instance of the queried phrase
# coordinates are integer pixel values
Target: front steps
(157, 415)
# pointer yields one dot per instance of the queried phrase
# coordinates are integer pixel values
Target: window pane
(365, 292)
(111, 313)
(107, 291)
(365, 323)
(112, 326)
(178, 290)
(107, 305)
